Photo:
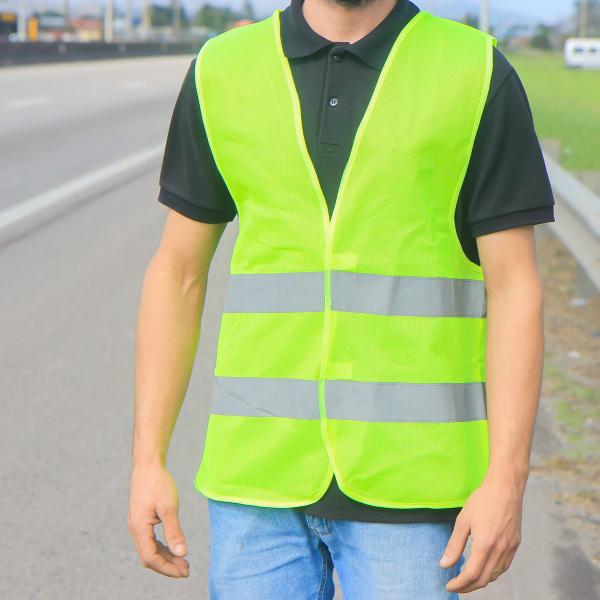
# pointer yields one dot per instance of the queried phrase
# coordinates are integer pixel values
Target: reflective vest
(354, 344)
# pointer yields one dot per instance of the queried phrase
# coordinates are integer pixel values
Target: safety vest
(354, 344)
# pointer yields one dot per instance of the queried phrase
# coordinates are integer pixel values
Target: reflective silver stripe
(350, 400)
(407, 296)
(275, 292)
(262, 397)
(356, 292)
(385, 402)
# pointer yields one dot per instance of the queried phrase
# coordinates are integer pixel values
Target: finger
(499, 570)
(512, 550)
(498, 562)
(502, 564)
(163, 562)
(173, 532)
(144, 540)
(504, 561)
(456, 544)
(509, 558)
(493, 568)
(182, 564)
(151, 555)
(473, 567)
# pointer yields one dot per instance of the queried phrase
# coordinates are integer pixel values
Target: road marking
(29, 207)
(26, 102)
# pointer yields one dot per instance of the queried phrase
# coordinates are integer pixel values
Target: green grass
(565, 105)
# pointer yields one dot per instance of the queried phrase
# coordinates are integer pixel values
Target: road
(70, 283)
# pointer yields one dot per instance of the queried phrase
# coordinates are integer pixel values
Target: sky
(550, 10)
(554, 9)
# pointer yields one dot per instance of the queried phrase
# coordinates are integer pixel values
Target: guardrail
(16, 53)
(577, 224)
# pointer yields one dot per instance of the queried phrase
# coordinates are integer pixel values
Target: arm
(492, 514)
(167, 337)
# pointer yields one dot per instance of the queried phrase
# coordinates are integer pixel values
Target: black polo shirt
(506, 184)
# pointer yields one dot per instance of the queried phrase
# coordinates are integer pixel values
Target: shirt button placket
(336, 56)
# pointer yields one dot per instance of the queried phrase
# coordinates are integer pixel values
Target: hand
(152, 500)
(492, 516)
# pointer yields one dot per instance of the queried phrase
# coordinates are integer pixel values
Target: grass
(565, 105)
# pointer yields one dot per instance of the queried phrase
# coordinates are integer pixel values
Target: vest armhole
(203, 111)
(490, 43)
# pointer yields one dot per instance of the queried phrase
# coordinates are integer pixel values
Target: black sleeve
(506, 184)
(189, 179)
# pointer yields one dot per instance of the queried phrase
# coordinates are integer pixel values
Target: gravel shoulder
(570, 454)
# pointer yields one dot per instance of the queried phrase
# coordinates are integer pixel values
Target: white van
(582, 53)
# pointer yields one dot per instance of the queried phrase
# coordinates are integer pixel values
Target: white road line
(26, 102)
(44, 200)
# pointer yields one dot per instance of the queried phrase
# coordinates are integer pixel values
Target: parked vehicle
(583, 53)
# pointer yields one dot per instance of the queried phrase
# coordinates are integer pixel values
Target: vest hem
(372, 502)
(266, 503)
(304, 503)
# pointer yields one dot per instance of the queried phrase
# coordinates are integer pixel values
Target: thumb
(456, 544)
(173, 532)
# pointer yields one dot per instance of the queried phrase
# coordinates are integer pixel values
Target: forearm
(167, 336)
(514, 358)
(515, 349)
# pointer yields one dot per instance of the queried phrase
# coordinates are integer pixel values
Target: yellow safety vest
(353, 345)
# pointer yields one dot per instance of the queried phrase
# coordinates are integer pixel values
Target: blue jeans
(259, 553)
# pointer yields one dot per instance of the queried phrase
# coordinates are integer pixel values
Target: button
(333, 101)
(337, 57)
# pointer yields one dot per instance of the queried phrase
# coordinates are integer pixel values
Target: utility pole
(108, 21)
(584, 18)
(176, 8)
(146, 19)
(22, 21)
(484, 16)
(128, 20)
(66, 11)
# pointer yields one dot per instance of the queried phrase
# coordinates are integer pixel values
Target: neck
(339, 22)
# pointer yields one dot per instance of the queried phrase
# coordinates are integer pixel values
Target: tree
(162, 16)
(216, 18)
(471, 19)
(541, 37)
(248, 10)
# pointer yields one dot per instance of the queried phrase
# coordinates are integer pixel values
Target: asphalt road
(70, 281)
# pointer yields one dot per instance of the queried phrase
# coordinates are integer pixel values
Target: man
(380, 353)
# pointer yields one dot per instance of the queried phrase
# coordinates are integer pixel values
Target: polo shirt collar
(300, 40)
